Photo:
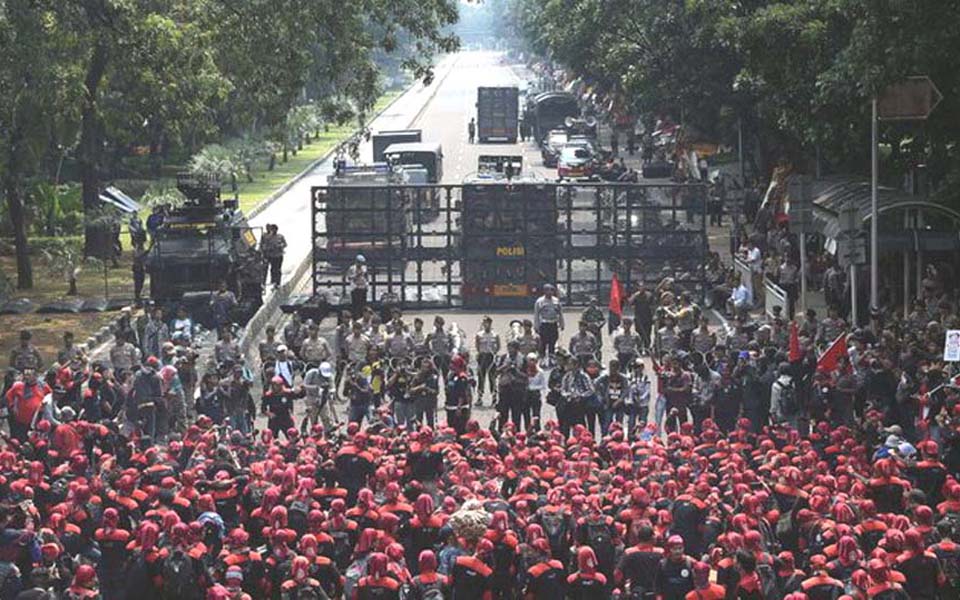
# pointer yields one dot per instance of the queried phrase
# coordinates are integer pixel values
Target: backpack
(768, 581)
(342, 548)
(427, 591)
(355, 572)
(179, 577)
(555, 527)
(950, 564)
(788, 398)
(600, 539)
(297, 516)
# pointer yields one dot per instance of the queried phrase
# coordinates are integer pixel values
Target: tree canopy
(93, 79)
(799, 74)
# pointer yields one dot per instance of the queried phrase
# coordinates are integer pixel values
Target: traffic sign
(801, 203)
(852, 250)
(912, 99)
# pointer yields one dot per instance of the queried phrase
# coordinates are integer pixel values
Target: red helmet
(701, 575)
(586, 559)
(86, 577)
(499, 522)
(367, 540)
(886, 467)
(365, 498)
(180, 534)
(218, 592)
(377, 565)
(847, 549)
(427, 561)
(308, 545)
(300, 568)
(238, 538)
(110, 518)
(424, 505)
(278, 517)
(913, 540)
(879, 571)
(147, 536)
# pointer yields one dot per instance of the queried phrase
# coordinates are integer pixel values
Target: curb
(283, 189)
(270, 306)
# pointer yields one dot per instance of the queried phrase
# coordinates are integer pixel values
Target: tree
(36, 83)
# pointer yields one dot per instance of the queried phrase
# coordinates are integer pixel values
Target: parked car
(556, 139)
(575, 162)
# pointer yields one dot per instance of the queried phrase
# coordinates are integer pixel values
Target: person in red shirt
(66, 438)
(702, 588)
(24, 399)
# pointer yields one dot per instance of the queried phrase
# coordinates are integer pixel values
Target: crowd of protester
(802, 460)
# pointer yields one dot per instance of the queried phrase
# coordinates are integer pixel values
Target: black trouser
(591, 417)
(280, 424)
(626, 361)
(457, 419)
(716, 212)
(510, 406)
(139, 275)
(700, 413)
(486, 373)
(685, 335)
(532, 406)
(442, 363)
(358, 301)
(643, 329)
(549, 334)
(275, 262)
(791, 291)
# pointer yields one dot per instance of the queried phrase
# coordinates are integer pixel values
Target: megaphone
(591, 121)
(568, 121)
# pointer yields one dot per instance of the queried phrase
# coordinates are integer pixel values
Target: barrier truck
(498, 111)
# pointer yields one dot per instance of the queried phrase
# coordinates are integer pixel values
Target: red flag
(795, 354)
(829, 360)
(616, 296)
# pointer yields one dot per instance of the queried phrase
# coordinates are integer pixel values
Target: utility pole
(874, 212)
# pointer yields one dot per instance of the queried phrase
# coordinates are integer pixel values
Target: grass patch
(267, 182)
(48, 329)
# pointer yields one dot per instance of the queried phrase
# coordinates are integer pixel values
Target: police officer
(548, 320)
(26, 355)
(487, 343)
(272, 246)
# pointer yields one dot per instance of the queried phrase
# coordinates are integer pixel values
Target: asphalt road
(442, 111)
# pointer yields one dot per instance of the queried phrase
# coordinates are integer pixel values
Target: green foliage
(162, 194)
(55, 210)
(63, 259)
(216, 162)
(798, 73)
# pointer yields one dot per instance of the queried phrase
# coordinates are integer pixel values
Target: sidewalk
(718, 237)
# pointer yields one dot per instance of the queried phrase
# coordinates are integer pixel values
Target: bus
(509, 242)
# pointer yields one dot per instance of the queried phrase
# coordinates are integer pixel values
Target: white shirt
(754, 259)
(741, 296)
(538, 382)
(357, 274)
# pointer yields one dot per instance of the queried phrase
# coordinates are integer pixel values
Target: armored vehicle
(197, 247)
